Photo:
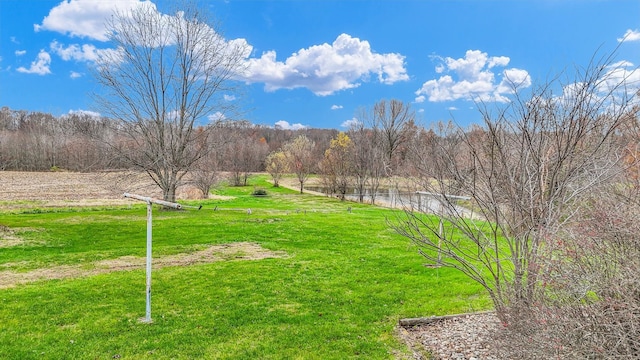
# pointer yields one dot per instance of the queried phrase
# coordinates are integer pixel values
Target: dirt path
(233, 251)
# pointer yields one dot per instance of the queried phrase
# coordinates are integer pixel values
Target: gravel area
(463, 337)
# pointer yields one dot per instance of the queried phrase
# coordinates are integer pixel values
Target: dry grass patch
(11, 238)
(232, 251)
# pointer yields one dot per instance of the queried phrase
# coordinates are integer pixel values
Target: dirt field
(49, 189)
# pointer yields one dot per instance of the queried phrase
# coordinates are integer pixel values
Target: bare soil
(19, 189)
(233, 251)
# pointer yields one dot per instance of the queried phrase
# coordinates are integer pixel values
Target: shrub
(259, 192)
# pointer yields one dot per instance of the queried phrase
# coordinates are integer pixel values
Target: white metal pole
(150, 202)
(440, 232)
(149, 238)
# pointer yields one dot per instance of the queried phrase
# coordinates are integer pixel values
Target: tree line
(378, 146)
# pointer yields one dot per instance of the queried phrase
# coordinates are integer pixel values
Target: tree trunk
(169, 194)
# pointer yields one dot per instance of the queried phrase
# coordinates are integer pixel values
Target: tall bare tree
(167, 74)
(390, 119)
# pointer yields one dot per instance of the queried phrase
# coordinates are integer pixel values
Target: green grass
(338, 294)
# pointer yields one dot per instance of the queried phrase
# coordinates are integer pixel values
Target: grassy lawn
(338, 292)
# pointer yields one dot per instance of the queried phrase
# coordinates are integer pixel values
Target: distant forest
(37, 141)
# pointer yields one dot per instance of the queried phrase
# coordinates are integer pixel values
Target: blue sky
(317, 63)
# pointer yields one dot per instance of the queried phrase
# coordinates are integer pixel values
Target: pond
(391, 197)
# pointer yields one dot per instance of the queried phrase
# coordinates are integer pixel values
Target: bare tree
(530, 172)
(362, 150)
(299, 153)
(206, 172)
(205, 175)
(367, 161)
(390, 120)
(167, 74)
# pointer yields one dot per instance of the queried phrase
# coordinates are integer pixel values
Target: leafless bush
(540, 172)
(591, 307)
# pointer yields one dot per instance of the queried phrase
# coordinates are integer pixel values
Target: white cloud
(89, 113)
(327, 68)
(86, 52)
(229, 97)
(217, 116)
(90, 23)
(630, 35)
(74, 75)
(351, 123)
(452, 108)
(421, 111)
(86, 18)
(284, 125)
(621, 63)
(76, 52)
(617, 87)
(475, 79)
(40, 66)
(336, 107)
(620, 76)
(14, 40)
(20, 52)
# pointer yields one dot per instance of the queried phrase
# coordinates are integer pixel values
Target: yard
(299, 277)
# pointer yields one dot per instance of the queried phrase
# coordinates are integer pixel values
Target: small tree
(299, 153)
(206, 174)
(242, 155)
(336, 165)
(367, 160)
(276, 166)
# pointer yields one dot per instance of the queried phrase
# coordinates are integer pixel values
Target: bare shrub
(538, 171)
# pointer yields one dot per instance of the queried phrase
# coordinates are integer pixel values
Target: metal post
(149, 238)
(440, 232)
(150, 202)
